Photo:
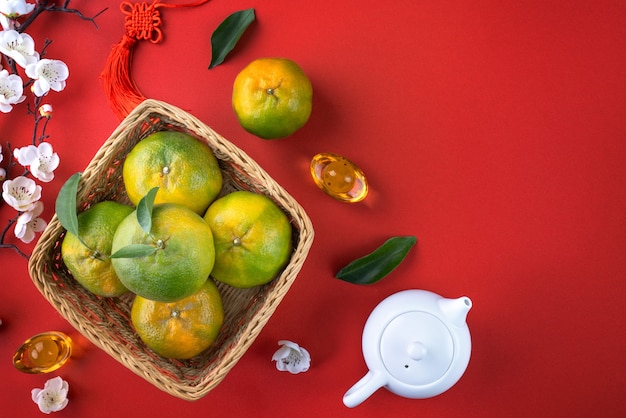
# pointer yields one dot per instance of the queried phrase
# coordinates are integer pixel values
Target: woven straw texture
(106, 321)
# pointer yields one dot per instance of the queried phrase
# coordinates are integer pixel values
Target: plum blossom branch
(50, 6)
(28, 70)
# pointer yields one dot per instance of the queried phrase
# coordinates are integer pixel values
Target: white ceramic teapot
(416, 344)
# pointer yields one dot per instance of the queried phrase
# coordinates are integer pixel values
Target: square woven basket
(106, 321)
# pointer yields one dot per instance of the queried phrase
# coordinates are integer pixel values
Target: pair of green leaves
(228, 33)
(379, 263)
(144, 217)
(65, 208)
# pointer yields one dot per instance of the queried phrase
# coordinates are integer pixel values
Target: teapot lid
(417, 348)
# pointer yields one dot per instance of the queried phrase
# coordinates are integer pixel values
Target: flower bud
(46, 110)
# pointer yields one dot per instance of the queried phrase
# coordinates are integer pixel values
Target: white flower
(21, 193)
(28, 223)
(291, 357)
(15, 8)
(11, 91)
(41, 159)
(53, 396)
(19, 46)
(48, 74)
(10, 10)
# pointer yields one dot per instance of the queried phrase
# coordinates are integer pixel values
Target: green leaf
(144, 210)
(65, 205)
(376, 265)
(134, 251)
(227, 34)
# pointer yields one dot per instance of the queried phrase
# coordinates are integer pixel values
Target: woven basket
(106, 321)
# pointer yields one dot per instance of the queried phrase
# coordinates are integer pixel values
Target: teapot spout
(455, 310)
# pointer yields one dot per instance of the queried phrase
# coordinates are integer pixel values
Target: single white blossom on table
(48, 75)
(42, 160)
(29, 223)
(18, 46)
(46, 110)
(11, 91)
(21, 193)
(291, 357)
(13, 9)
(53, 396)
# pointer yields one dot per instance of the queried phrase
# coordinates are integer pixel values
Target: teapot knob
(417, 351)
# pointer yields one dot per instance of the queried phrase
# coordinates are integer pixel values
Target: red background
(493, 131)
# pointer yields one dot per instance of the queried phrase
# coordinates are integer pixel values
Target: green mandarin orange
(181, 329)
(252, 239)
(183, 256)
(183, 167)
(90, 265)
(272, 97)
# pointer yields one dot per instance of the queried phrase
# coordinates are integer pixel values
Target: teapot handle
(364, 388)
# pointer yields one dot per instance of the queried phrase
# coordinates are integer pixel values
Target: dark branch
(12, 246)
(65, 9)
(45, 6)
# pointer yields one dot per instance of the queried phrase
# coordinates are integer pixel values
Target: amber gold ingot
(43, 353)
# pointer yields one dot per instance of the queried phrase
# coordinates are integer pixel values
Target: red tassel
(119, 87)
(142, 22)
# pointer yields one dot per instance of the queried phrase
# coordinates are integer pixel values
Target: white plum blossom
(18, 46)
(29, 223)
(11, 91)
(53, 396)
(13, 9)
(48, 75)
(291, 357)
(41, 159)
(21, 193)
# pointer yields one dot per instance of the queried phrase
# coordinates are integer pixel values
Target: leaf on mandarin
(228, 33)
(376, 265)
(65, 205)
(144, 210)
(134, 251)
